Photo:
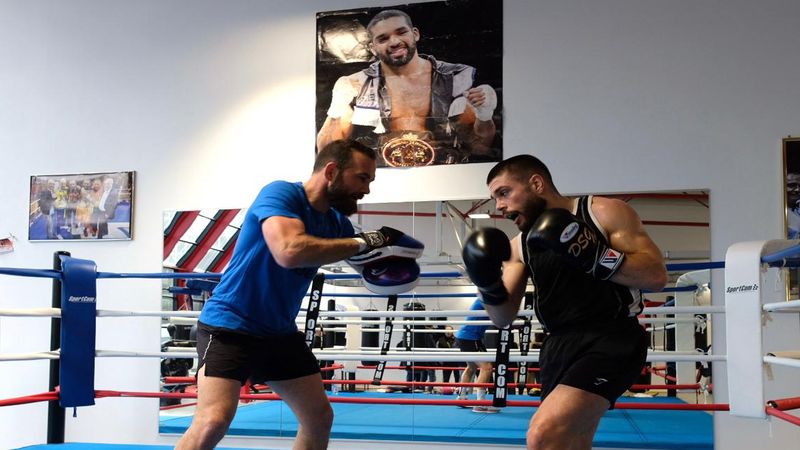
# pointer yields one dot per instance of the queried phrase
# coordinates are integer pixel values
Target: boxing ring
(366, 413)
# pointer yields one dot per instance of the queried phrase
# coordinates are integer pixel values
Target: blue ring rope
(35, 273)
(161, 275)
(781, 254)
(680, 267)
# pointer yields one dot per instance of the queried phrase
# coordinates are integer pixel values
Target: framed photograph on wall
(81, 207)
(791, 203)
(791, 177)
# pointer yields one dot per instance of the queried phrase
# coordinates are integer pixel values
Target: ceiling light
(480, 216)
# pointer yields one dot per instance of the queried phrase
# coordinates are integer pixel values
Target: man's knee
(321, 419)
(213, 424)
(544, 434)
(326, 417)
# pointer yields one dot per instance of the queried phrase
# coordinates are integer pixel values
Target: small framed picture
(791, 178)
(791, 204)
(81, 207)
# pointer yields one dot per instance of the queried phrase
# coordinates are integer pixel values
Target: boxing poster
(421, 84)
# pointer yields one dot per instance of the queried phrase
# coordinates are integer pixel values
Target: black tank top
(566, 298)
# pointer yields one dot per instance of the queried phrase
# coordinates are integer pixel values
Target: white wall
(209, 100)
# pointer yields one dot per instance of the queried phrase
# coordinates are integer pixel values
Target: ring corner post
(78, 332)
(55, 413)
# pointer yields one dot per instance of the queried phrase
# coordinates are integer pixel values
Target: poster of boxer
(81, 207)
(421, 83)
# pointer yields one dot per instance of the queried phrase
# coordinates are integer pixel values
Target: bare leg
(466, 377)
(306, 397)
(567, 420)
(217, 399)
(484, 376)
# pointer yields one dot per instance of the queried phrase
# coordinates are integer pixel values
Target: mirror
(203, 241)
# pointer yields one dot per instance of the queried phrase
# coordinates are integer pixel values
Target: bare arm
(515, 278)
(643, 267)
(338, 124)
(291, 247)
(334, 129)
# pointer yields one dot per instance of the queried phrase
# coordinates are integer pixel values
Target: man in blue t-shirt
(247, 328)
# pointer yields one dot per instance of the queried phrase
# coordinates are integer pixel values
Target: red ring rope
(784, 404)
(43, 397)
(782, 415)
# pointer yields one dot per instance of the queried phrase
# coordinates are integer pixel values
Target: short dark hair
(520, 167)
(386, 14)
(341, 152)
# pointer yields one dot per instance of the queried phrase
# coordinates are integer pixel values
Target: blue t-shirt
(256, 295)
(473, 332)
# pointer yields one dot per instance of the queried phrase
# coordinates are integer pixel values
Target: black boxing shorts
(604, 362)
(237, 356)
(470, 345)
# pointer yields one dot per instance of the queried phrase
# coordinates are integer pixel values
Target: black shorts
(238, 356)
(469, 345)
(605, 363)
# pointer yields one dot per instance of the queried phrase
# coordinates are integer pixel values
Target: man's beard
(341, 200)
(411, 51)
(531, 211)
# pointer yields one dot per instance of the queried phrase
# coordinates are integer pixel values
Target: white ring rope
(123, 313)
(787, 362)
(30, 356)
(393, 355)
(33, 312)
(684, 310)
(56, 312)
(790, 306)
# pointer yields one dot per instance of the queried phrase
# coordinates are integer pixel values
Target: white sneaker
(486, 409)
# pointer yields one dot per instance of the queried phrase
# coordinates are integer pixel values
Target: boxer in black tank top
(587, 257)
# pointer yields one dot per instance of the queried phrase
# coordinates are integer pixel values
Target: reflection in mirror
(203, 241)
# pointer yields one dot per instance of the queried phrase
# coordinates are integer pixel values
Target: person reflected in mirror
(247, 328)
(449, 368)
(469, 338)
(588, 258)
(412, 108)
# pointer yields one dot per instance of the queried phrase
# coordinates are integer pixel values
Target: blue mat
(618, 428)
(82, 446)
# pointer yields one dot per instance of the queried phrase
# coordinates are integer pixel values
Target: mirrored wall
(202, 242)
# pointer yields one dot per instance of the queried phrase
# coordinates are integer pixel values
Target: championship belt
(410, 149)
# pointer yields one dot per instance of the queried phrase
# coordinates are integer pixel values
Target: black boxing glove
(483, 254)
(558, 230)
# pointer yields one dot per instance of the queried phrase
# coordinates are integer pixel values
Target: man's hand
(484, 100)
